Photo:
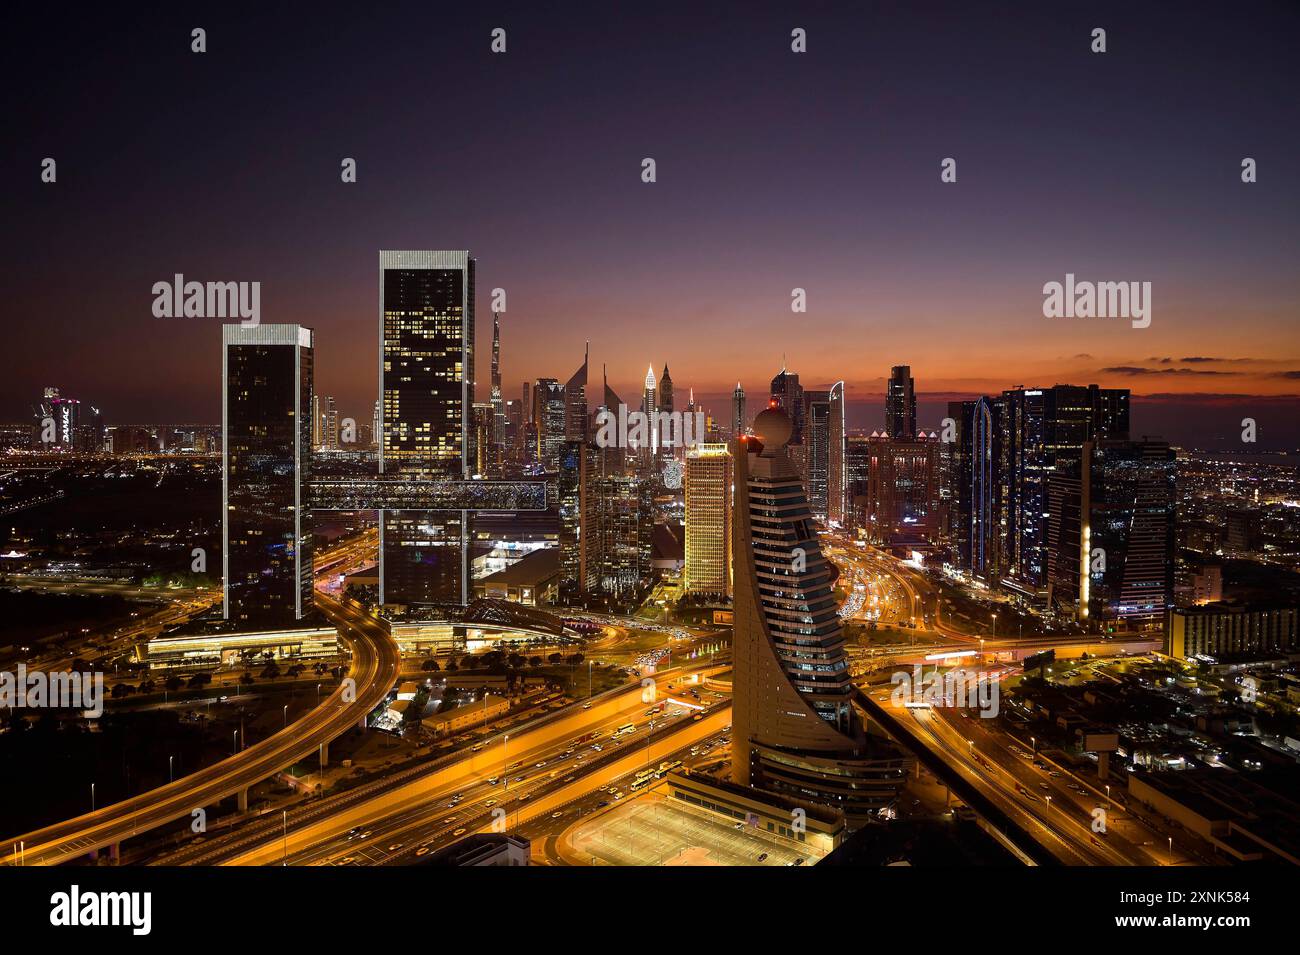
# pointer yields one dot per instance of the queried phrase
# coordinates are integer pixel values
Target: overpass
(375, 662)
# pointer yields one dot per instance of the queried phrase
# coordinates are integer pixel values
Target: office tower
(1217, 630)
(787, 394)
(496, 396)
(569, 495)
(817, 441)
(317, 423)
(900, 403)
(903, 489)
(65, 413)
(836, 487)
(617, 517)
(377, 425)
(576, 422)
(426, 379)
(650, 408)
(485, 444)
(738, 418)
(266, 436)
(975, 477)
(549, 413)
(1042, 428)
(795, 731)
(857, 468)
(707, 482)
(665, 407)
(330, 424)
(1111, 534)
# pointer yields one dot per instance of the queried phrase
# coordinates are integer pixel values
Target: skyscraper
(787, 394)
(426, 373)
(900, 403)
(1042, 428)
(551, 414)
(266, 439)
(617, 518)
(708, 520)
(738, 419)
(496, 397)
(650, 408)
(976, 478)
(1111, 533)
(817, 438)
(903, 488)
(835, 474)
(795, 731)
(576, 422)
(666, 408)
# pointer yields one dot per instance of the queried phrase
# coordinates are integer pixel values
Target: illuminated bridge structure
(400, 494)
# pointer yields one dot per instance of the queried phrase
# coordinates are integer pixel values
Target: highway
(374, 667)
(420, 812)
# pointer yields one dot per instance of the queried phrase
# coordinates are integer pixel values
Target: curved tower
(795, 731)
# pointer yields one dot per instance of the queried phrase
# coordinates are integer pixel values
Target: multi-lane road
(373, 671)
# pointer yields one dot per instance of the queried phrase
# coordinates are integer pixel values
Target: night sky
(775, 171)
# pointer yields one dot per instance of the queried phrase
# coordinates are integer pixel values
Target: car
(1054, 774)
(738, 826)
(541, 764)
(1044, 787)
(618, 795)
(762, 857)
(557, 814)
(490, 803)
(458, 832)
(394, 847)
(602, 804)
(586, 706)
(347, 860)
(449, 820)
(493, 780)
(423, 850)
(365, 835)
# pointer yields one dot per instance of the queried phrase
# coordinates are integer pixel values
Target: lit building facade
(266, 439)
(426, 374)
(708, 520)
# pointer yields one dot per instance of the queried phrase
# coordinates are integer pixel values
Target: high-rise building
(317, 423)
(496, 396)
(1111, 534)
(900, 403)
(550, 413)
(426, 376)
(707, 481)
(266, 436)
(569, 497)
(617, 517)
(665, 407)
(330, 423)
(836, 487)
(1042, 428)
(650, 408)
(976, 480)
(787, 394)
(795, 731)
(903, 488)
(576, 422)
(817, 441)
(738, 419)
(857, 469)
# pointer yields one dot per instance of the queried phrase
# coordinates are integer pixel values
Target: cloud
(1135, 370)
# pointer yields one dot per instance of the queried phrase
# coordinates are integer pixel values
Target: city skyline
(901, 268)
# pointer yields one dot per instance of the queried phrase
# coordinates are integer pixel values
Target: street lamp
(171, 762)
(286, 715)
(1171, 850)
(92, 797)
(505, 776)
